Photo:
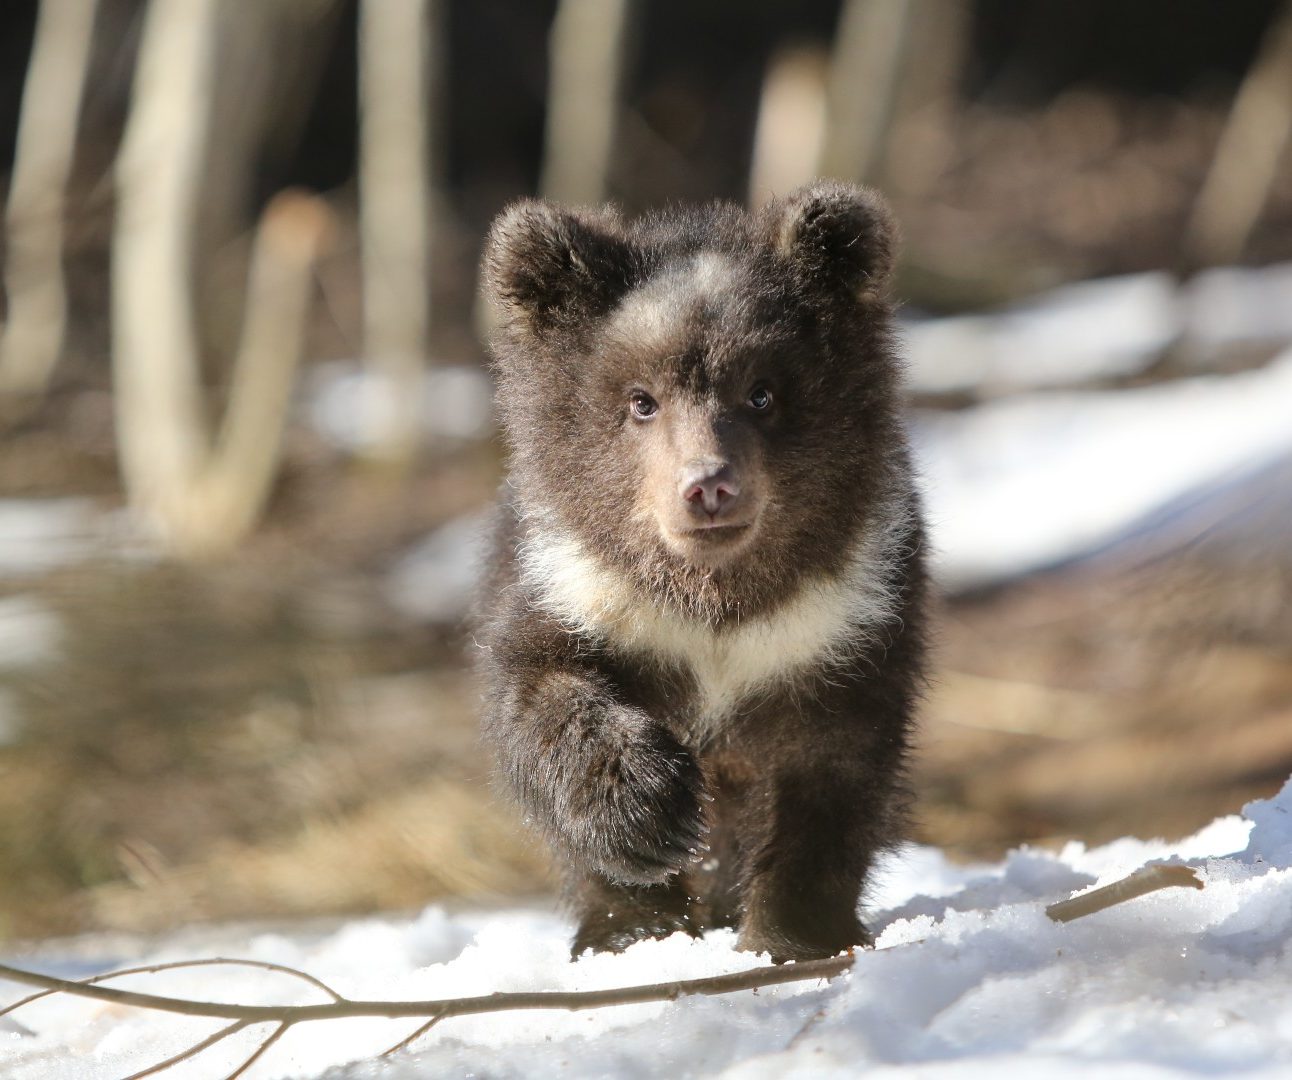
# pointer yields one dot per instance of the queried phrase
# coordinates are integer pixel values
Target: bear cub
(702, 623)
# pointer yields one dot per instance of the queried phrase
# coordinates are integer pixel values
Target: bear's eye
(760, 399)
(643, 405)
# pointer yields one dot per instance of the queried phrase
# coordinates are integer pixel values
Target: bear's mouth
(712, 543)
(717, 531)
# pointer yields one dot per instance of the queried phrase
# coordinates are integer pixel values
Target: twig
(274, 1036)
(192, 1051)
(1137, 884)
(446, 1007)
(806, 1027)
(152, 969)
(1146, 880)
(408, 1040)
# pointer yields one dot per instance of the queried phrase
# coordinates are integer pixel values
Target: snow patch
(1026, 482)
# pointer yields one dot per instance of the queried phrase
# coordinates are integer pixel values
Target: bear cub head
(702, 402)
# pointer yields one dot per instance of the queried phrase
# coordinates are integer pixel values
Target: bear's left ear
(555, 267)
(835, 234)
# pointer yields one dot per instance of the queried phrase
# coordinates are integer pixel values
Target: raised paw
(607, 783)
(639, 816)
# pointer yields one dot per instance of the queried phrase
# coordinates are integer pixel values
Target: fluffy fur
(702, 625)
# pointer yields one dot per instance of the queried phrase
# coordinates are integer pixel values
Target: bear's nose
(708, 485)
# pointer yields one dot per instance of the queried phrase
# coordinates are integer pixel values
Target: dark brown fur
(616, 746)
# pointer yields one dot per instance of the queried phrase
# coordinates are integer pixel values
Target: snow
(1232, 306)
(1025, 482)
(969, 979)
(30, 633)
(40, 534)
(1102, 329)
(345, 403)
(434, 580)
(1076, 333)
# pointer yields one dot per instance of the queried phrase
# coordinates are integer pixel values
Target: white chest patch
(820, 625)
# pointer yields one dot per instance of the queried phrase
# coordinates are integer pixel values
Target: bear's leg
(717, 878)
(806, 872)
(612, 917)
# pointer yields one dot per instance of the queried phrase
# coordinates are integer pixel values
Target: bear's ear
(834, 234)
(555, 267)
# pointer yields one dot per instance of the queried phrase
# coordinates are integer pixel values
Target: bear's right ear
(556, 267)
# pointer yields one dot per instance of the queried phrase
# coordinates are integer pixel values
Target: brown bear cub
(702, 632)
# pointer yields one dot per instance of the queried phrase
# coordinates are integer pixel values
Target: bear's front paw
(614, 927)
(638, 815)
(782, 947)
(804, 930)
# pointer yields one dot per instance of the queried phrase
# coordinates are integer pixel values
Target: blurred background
(247, 437)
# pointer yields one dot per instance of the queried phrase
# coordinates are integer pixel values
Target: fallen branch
(346, 1008)
(1146, 880)
(432, 1012)
(174, 965)
(288, 1016)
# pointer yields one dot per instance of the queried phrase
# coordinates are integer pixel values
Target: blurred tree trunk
(894, 72)
(1246, 161)
(51, 100)
(587, 47)
(791, 122)
(927, 101)
(870, 51)
(269, 56)
(200, 499)
(396, 39)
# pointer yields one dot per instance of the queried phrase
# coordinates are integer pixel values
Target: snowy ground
(1029, 481)
(969, 979)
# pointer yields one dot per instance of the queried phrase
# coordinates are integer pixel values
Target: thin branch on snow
(259, 1051)
(193, 1051)
(408, 1040)
(174, 965)
(347, 1008)
(1146, 880)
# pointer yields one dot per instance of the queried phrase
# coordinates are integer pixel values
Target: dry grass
(1111, 700)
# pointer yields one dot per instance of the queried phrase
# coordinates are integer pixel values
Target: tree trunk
(394, 216)
(51, 102)
(865, 70)
(586, 50)
(199, 500)
(791, 123)
(1246, 162)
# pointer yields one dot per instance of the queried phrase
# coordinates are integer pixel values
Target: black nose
(708, 485)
